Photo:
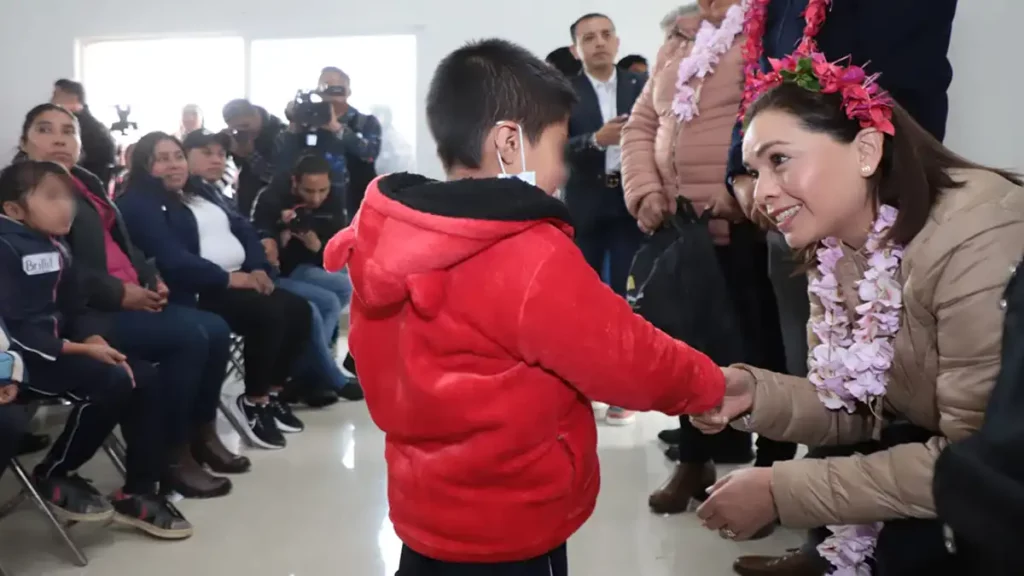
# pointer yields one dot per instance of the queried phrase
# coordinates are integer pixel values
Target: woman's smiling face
(808, 183)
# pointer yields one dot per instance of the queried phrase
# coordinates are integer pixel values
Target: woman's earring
(865, 170)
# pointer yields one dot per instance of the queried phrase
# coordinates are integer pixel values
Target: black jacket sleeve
(908, 45)
(266, 211)
(29, 334)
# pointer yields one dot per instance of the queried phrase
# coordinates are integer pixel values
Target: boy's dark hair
(628, 61)
(238, 107)
(20, 178)
(582, 19)
(483, 83)
(310, 164)
(71, 87)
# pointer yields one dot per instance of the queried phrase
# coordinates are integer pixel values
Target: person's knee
(14, 422)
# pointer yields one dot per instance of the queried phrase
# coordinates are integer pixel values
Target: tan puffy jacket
(662, 155)
(946, 360)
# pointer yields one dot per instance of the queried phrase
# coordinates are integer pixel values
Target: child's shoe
(619, 416)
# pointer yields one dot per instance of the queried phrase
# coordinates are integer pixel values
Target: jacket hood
(410, 230)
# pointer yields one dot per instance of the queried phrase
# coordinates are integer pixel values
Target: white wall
(38, 39)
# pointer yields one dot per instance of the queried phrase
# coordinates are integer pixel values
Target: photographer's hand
(334, 126)
(311, 240)
(288, 215)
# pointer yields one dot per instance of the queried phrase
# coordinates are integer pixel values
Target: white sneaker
(600, 410)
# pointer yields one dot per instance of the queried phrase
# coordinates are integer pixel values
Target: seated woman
(211, 257)
(63, 345)
(911, 248)
(190, 346)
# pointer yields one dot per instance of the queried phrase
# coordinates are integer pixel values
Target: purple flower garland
(850, 365)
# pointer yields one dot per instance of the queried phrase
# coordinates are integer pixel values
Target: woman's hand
(740, 504)
(242, 281)
(138, 298)
(264, 285)
(653, 209)
(739, 399)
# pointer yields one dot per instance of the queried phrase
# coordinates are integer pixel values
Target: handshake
(738, 400)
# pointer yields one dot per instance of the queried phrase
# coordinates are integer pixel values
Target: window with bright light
(159, 77)
(382, 70)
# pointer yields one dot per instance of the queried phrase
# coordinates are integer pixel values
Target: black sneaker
(73, 498)
(151, 514)
(261, 428)
(285, 419)
(348, 368)
(352, 392)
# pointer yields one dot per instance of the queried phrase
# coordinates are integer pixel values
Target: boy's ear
(506, 141)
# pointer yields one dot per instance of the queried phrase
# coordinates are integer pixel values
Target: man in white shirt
(604, 229)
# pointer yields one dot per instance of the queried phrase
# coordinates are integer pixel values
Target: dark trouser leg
(179, 346)
(625, 240)
(746, 268)
(915, 546)
(14, 421)
(101, 393)
(275, 327)
(790, 288)
(593, 243)
(554, 563)
(144, 426)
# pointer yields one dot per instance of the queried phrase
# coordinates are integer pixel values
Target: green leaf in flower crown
(805, 66)
(809, 83)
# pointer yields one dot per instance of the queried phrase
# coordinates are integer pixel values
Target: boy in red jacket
(482, 334)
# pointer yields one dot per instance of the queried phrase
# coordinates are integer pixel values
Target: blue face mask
(528, 177)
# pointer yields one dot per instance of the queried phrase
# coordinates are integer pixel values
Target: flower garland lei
(754, 29)
(851, 363)
(708, 47)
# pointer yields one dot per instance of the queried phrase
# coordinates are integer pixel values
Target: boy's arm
(576, 327)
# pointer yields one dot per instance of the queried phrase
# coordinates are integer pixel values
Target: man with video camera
(296, 216)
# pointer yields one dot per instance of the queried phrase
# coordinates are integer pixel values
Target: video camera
(305, 220)
(123, 124)
(310, 111)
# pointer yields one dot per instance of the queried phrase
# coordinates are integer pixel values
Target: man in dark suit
(604, 229)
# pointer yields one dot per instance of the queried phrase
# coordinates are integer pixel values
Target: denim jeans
(318, 361)
(336, 282)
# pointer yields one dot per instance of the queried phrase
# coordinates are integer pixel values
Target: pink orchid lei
(708, 47)
(850, 366)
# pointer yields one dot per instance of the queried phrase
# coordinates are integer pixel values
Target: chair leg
(30, 488)
(228, 413)
(117, 453)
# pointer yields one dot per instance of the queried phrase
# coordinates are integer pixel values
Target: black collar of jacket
(501, 199)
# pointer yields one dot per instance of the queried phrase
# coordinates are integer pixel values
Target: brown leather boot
(689, 481)
(795, 563)
(208, 449)
(188, 477)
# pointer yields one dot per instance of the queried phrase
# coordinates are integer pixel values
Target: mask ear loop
(522, 152)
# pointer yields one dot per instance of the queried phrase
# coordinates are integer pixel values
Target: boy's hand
(104, 353)
(8, 393)
(310, 240)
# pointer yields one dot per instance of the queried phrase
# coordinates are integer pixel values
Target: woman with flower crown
(675, 144)
(909, 248)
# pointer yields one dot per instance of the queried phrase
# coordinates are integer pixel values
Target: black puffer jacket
(979, 482)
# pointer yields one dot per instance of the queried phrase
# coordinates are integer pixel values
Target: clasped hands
(655, 207)
(741, 503)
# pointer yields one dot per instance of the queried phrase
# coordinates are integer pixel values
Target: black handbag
(677, 284)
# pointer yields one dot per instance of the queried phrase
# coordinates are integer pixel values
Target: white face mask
(528, 177)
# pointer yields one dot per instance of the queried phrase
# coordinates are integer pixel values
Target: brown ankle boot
(188, 477)
(689, 481)
(208, 449)
(794, 563)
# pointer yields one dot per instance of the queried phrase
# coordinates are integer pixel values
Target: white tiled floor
(319, 508)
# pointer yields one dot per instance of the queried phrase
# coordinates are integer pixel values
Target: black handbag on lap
(676, 284)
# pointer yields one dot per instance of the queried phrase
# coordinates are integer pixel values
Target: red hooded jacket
(481, 334)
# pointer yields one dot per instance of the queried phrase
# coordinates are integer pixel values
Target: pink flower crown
(863, 99)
